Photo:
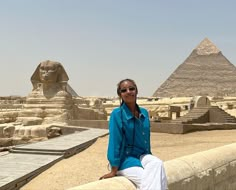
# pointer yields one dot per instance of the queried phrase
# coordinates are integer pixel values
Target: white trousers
(151, 177)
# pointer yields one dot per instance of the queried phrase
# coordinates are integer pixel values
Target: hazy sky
(100, 42)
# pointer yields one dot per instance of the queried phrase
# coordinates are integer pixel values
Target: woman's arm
(114, 144)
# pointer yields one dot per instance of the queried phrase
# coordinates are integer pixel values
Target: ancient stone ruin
(48, 108)
(50, 99)
(202, 116)
(206, 72)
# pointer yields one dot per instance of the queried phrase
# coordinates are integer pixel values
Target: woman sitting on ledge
(129, 151)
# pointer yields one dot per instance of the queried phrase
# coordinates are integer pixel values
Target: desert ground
(90, 164)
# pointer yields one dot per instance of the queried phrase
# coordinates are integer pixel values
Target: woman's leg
(154, 176)
(134, 174)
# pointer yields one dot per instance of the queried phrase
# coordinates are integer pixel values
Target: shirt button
(127, 152)
(143, 133)
(145, 142)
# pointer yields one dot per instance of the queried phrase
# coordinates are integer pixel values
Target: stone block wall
(212, 169)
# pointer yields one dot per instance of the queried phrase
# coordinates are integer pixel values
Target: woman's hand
(111, 174)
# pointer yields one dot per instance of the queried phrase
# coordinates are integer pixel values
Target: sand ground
(91, 163)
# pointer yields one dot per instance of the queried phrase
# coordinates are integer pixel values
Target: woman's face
(128, 92)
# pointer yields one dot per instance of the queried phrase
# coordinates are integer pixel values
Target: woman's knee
(134, 174)
(150, 158)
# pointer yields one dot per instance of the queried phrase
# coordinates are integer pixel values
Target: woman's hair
(118, 87)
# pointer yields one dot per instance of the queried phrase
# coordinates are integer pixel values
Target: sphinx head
(49, 72)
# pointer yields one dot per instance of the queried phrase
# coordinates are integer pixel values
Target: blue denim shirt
(129, 137)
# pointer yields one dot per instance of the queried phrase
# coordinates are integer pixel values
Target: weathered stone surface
(206, 72)
(8, 116)
(31, 121)
(54, 132)
(49, 97)
(35, 131)
(8, 131)
(202, 101)
(5, 142)
(116, 183)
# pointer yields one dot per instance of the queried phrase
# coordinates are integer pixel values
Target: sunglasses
(123, 90)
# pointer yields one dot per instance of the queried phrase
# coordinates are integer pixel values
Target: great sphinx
(49, 100)
(49, 107)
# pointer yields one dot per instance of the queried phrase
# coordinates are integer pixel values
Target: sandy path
(90, 164)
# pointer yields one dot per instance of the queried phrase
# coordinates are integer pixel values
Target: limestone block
(205, 180)
(221, 173)
(19, 130)
(2, 126)
(219, 158)
(201, 101)
(5, 142)
(180, 175)
(48, 120)
(40, 104)
(2, 120)
(36, 112)
(102, 116)
(115, 183)
(231, 183)
(39, 131)
(31, 121)
(54, 132)
(57, 118)
(232, 168)
(53, 112)
(197, 162)
(202, 168)
(85, 113)
(221, 186)
(1, 132)
(8, 116)
(8, 131)
(27, 131)
(31, 131)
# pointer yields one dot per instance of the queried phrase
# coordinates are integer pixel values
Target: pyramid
(71, 91)
(206, 72)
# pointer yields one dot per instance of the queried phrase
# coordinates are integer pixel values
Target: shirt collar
(127, 113)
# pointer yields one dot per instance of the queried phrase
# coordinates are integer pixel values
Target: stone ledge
(115, 183)
(211, 169)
